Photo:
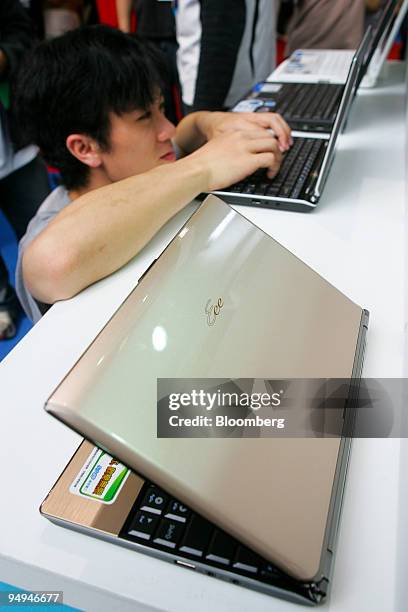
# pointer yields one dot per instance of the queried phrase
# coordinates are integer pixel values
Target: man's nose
(166, 129)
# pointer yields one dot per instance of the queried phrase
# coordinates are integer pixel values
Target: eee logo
(213, 310)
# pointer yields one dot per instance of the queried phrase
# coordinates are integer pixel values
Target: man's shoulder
(56, 201)
(52, 205)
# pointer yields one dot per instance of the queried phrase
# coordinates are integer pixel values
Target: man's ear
(85, 149)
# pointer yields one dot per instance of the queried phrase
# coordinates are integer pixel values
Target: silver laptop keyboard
(293, 175)
(305, 106)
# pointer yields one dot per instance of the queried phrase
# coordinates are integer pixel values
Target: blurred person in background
(327, 24)
(35, 10)
(61, 16)
(155, 23)
(225, 47)
(23, 176)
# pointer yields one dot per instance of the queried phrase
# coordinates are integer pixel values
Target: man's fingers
(270, 144)
(268, 155)
(269, 161)
(282, 130)
(266, 149)
(258, 133)
(275, 122)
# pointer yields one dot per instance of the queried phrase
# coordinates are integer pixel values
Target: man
(91, 101)
(225, 47)
(324, 24)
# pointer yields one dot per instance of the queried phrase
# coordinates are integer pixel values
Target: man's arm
(101, 231)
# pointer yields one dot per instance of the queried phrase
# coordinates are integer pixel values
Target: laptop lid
(379, 29)
(390, 26)
(279, 319)
(349, 92)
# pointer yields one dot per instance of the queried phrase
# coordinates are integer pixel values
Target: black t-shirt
(155, 19)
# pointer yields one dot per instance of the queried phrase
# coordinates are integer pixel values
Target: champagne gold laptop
(261, 512)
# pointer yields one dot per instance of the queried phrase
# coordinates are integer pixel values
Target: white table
(357, 240)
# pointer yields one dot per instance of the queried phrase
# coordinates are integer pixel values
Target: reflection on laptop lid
(279, 319)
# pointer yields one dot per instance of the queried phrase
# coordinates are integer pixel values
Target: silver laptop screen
(347, 97)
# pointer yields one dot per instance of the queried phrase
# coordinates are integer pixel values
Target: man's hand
(214, 124)
(196, 129)
(232, 156)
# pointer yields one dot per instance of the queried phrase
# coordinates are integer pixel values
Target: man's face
(139, 141)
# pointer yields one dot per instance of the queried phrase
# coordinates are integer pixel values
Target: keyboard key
(297, 190)
(176, 511)
(249, 188)
(332, 106)
(155, 500)
(273, 190)
(197, 536)
(169, 533)
(237, 188)
(270, 572)
(143, 525)
(261, 188)
(285, 191)
(247, 561)
(222, 548)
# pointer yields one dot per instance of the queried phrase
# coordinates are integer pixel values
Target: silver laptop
(314, 66)
(300, 181)
(330, 66)
(238, 508)
(308, 104)
(381, 50)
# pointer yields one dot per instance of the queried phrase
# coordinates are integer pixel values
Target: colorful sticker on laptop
(101, 477)
(270, 87)
(270, 104)
(247, 106)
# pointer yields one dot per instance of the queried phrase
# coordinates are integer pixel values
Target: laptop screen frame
(347, 97)
(378, 31)
(386, 41)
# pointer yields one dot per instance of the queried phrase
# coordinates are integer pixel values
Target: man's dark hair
(70, 84)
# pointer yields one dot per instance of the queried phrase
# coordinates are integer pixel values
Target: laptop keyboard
(162, 522)
(293, 175)
(335, 63)
(305, 106)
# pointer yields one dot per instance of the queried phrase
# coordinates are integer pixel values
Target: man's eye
(145, 115)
